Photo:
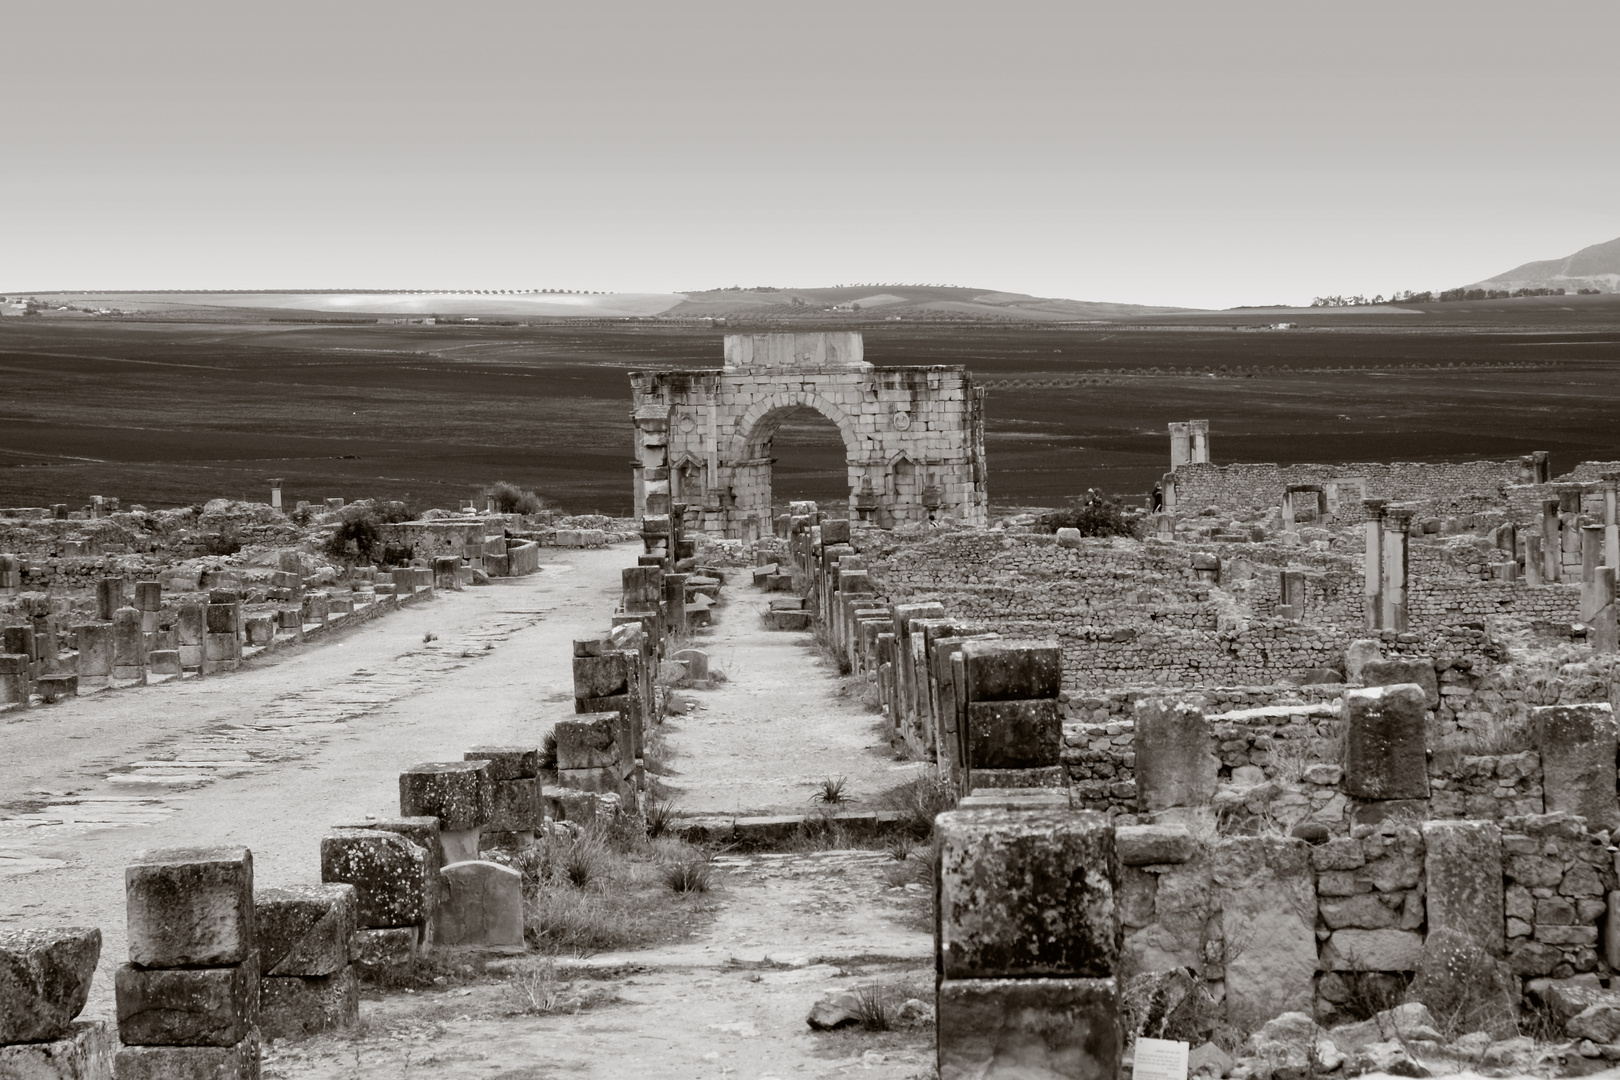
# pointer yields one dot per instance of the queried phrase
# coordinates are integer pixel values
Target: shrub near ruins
(1097, 515)
(358, 536)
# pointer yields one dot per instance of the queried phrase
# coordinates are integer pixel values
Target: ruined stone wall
(1524, 500)
(1440, 486)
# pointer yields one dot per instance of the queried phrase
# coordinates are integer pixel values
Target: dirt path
(763, 742)
(271, 756)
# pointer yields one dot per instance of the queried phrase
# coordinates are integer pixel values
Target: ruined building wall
(1456, 487)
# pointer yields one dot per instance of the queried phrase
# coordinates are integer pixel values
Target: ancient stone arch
(913, 436)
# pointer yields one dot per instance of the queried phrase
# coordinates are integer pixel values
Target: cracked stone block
(1265, 893)
(85, 1051)
(45, 978)
(484, 906)
(1032, 1029)
(239, 1062)
(1577, 744)
(296, 1007)
(1007, 669)
(1026, 893)
(1463, 868)
(602, 676)
(601, 781)
(455, 792)
(190, 906)
(508, 762)
(1014, 734)
(390, 875)
(305, 929)
(1385, 754)
(1373, 950)
(202, 1006)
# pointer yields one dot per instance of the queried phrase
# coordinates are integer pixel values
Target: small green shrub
(1096, 515)
(511, 499)
(359, 533)
(831, 792)
(689, 870)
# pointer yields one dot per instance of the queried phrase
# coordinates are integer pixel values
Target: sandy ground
(271, 756)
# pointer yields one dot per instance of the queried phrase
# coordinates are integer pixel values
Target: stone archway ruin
(913, 436)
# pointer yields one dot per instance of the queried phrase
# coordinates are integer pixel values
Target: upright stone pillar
(905, 670)
(1578, 745)
(1611, 523)
(222, 644)
(1463, 872)
(1012, 728)
(188, 1003)
(1180, 445)
(1551, 541)
(109, 597)
(675, 603)
(1534, 562)
(190, 629)
(1200, 441)
(1398, 520)
(129, 646)
(1176, 764)
(1373, 589)
(1385, 752)
(275, 493)
(1604, 636)
(459, 793)
(149, 602)
(1028, 938)
(1591, 557)
(95, 645)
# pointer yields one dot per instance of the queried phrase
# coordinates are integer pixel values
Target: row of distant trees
(1448, 296)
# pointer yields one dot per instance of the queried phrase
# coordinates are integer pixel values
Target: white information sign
(1160, 1059)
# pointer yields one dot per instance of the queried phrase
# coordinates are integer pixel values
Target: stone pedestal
(1385, 752)
(1175, 756)
(1463, 872)
(1578, 746)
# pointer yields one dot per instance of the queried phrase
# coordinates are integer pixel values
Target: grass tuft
(921, 799)
(831, 792)
(688, 870)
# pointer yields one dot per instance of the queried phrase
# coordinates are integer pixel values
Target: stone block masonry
(188, 1002)
(914, 436)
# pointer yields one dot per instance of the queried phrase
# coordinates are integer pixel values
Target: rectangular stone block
(508, 762)
(1577, 745)
(239, 1062)
(1175, 756)
(1385, 751)
(190, 906)
(222, 618)
(1011, 669)
(1014, 734)
(1051, 776)
(1373, 950)
(586, 744)
(1267, 900)
(607, 780)
(84, 1052)
(304, 930)
(421, 831)
(390, 875)
(375, 951)
(164, 662)
(517, 805)
(200, 1006)
(1026, 893)
(455, 792)
(1463, 869)
(45, 978)
(1029, 1029)
(293, 1007)
(483, 906)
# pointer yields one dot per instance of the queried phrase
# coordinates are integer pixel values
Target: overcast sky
(1196, 153)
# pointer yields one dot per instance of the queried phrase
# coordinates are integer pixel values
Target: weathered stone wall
(1441, 487)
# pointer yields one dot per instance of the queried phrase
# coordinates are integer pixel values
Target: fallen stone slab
(206, 1006)
(45, 976)
(304, 930)
(190, 906)
(294, 1007)
(84, 1052)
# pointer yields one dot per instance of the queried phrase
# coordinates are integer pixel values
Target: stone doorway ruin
(913, 436)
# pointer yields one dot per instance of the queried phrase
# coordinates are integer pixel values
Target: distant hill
(903, 301)
(1595, 267)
